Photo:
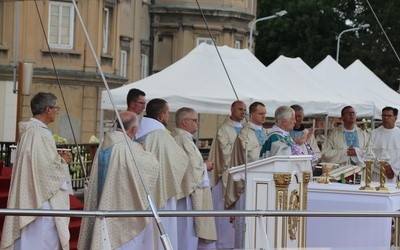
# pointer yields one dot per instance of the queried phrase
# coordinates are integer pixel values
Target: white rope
(383, 30)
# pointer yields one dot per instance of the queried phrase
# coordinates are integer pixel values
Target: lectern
(275, 183)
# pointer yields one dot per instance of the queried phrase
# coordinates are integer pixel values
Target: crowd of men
(150, 161)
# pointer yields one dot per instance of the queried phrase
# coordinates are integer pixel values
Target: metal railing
(257, 214)
(197, 213)
(87, 150)
(5, 152)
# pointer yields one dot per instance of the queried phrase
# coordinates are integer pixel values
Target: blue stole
(141, 139)
(103, 161)
(238, 129)
(351, 139)
(260, 136)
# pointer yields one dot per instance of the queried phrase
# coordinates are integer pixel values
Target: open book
(346, 170)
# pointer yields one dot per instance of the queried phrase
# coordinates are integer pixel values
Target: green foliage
(311, 27)
(58, 139)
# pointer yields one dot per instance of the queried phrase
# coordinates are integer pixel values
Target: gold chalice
(326, 169)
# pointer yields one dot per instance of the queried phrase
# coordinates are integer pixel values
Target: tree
(311, 27)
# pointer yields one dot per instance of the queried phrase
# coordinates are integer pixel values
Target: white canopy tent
(304, 83)
(360, 82)
(372, 87)
(199, 81)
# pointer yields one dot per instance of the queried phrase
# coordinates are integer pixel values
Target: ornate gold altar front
(276, 183)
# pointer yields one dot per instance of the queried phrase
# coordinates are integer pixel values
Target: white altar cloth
(349, 232)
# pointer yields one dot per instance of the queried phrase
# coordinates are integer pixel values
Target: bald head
(130, 122)
(238, 111)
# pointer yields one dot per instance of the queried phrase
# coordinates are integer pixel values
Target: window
(106, 29)
(124, 60)
(144, 68)
(61, 25)
(206, 40)
(238, 44)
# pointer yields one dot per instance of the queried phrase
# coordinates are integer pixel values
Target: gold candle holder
(368, 172)
(382, 177)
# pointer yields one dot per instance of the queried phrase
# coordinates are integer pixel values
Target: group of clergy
(141, 164)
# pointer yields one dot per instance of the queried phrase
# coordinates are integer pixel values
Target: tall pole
(277, 14)
(344, 31)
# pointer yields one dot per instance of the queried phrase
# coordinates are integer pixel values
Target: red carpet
(75, 204)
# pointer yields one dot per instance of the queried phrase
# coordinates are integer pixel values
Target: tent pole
(198, 132)
(326, 126)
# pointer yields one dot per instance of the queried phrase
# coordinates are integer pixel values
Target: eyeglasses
(387, 116)
(142, 103)
(58, 108)
(349, 113)
(195, 120)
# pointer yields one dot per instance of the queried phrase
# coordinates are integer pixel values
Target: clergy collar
(255, 127)
(285, 133)
(148, 125)
(38, 121)
(191, 135)
(349, 130)
(236, 124)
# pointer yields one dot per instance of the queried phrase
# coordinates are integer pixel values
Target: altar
(350, 232)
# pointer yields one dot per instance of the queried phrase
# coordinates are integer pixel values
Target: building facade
(131, 40)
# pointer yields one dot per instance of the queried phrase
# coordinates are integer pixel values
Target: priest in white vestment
(220, 154)
(197, 232)
(299, 129)
(346, 143)
(250, 140)
(280, 142)
(174, 162)
(115, 184)
(387, 138)
(40, 180)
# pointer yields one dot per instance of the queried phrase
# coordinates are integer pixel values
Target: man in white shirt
(387, 138)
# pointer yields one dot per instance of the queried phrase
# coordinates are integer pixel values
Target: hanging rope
(215, 45)
(383, 30)
(63, 99)
(164, 237)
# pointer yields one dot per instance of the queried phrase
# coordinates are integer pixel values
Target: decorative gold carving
(282, 180)
(294, 221)
(304, 191)
(306, 177)
(280, 200)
